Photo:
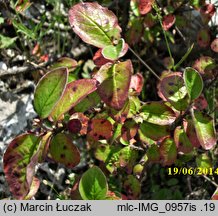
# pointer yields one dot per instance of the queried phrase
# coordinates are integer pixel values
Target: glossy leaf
(168, 152)
(69, 63)
(153, 131)
(94, 24)
(157, 113)
(172, 88)
(73, 94)
(16, 159)
(193, 82)
(114, 52)
(64, 151)
(93, 185)
(49, 90)
(114, 83)
(168, 21)
(205, 129)
(182, 141)
(100, 129)
(214, 45)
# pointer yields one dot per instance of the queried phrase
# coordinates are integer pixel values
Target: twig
(211, 181)
(144, 63)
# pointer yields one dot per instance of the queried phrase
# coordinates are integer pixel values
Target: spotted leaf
(100, 129)
(73, 94)
(64, 151)
(114, 83)
(69, 63)
(16, 160)
(94, 24)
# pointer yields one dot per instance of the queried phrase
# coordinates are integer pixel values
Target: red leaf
(99, 59)
(207, 11)
(168, 21)
(214, 45)
(145, 6)
(137, 82)
(99, 129)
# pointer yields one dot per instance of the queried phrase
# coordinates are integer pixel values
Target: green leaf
(114, 83)
(132, 185)
(6, 42)
(203, 161)
(182, 141)
(22, 28)
(17, 158)
(204, 64)
(168, 152)
(193, 82)
(93, 185)
(153, 153)
(49, 90)
(94, 24)
(172, 88)
(90, 101)
(205, 129)
(69, 63)
(113, 52)
(157, 113)
(64, 151)
(153, 131)
(74, 92)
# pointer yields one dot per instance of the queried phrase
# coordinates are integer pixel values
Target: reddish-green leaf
(93, 185)
(49, 90)
(69, 63)
(157, 113)
(100, 129)
(94, 24)
(99, 59)
(168, 21)
(75, 91)
(137, 82)
(64, 151)
(207, 11)
(132, 187)
(172, 89)
(168, 152)
(145, 6)
(214, 45)
(114, 52)
(114, 83)
(203, 64)
(204, 161)
(33, 188)
(16, 160)
(205, 129)
(203, 38)
(153, 131)
(193, 82)
(182, 141)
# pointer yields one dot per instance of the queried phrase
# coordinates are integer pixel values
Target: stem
(210, 180)
(144, 63)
